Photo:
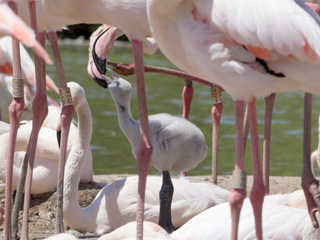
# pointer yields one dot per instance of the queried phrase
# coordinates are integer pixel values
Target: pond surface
(112, 152)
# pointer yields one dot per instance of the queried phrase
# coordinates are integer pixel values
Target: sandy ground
(42, 212)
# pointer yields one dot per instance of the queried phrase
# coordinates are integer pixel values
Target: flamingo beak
(102, 80)
(100, 63)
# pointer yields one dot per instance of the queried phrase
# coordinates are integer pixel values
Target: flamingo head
(101, 43)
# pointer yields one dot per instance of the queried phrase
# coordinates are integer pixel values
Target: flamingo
(173, 148)
(45, 172)
(116, 203)
(283, 219)
(287, 208)
(232, 45)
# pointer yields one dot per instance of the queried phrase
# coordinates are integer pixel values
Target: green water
(112, 152)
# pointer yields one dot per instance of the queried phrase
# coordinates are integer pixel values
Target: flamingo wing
(267, 29)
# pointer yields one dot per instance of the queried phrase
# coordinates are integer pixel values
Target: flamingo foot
(310, 186)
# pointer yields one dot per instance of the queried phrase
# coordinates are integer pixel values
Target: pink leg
(245, 129)
(66, 118)
(267, 136)
(40, 111)
(216, 112)
(15, 111)
(145, 147)
(310, 184)
(238, 193)
(258, 189)
(187, 95)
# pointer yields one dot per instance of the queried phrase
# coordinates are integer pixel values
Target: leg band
(239, 179)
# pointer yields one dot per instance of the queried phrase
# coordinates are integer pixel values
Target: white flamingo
(178, 145)
(284, 217)
(45, 171)
(233, 44)
(116, 203)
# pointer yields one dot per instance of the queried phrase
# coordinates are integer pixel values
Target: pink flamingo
(235, 48)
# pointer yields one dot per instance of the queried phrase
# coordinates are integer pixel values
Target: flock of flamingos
(247, 48)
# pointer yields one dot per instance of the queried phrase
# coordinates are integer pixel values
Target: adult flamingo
(233, 45)
(116, 203)
(284, 218)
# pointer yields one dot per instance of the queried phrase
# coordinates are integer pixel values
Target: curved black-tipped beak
(101, 64)
(101, 82)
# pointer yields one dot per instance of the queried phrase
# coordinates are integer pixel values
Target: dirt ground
(42, 212)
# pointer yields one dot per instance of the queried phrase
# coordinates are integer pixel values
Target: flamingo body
(45, 173)
(227, 42)
(281, 220)
(178, 145)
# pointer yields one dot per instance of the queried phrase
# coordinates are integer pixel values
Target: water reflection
(112, 152)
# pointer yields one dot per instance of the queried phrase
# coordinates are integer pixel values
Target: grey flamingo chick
(178, 145)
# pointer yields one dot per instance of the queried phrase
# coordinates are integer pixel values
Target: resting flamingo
(45, 172)
(282, 219)
(116, 203)
(232, 45)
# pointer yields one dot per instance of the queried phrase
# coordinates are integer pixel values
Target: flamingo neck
(128, 125)
(75, 216)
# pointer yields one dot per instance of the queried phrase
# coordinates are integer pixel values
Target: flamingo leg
(145, 148)
(40, 111)
(310, 184)
(187, 94)
(245, 129)
(165, 195)
(258, 189)
(269, 101)
(216, 113)
(15, 111)
(65, 119)
(238, 193)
